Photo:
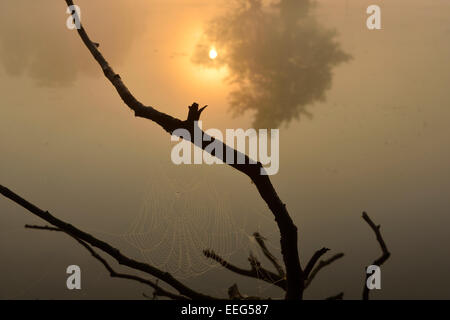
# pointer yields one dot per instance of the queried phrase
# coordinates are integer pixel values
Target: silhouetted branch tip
(322, 264)
(261, 242)
(312, 262)
(376, 229)
(254, 262)
(385, 252)
(47, 228)
(256, 271)
(195, 112)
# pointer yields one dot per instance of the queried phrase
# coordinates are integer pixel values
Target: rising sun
(212, 53)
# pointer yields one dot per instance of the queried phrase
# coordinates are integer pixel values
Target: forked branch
(158, 290)
(261, 242)
(322, 264)
(103, 246)
(256, 270)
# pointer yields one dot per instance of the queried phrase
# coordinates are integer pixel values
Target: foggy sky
(34, 42)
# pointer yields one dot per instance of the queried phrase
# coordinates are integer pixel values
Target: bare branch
(385, 253)
(105, 247)
(46, 228)
(158, 291)
(256, 270)
(322, 264)
(288, 230)
(260, 240)
(312, 262)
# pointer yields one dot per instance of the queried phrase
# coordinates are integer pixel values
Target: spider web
(179, 218)
(185, 211)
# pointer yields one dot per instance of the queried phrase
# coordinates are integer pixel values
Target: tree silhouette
(291, 277)
(276, 55)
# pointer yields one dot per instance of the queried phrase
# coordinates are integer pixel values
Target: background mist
(378, 142)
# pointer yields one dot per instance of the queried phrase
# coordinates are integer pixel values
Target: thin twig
(322, 264)
(256, 270)
(385, 252)
(260, 240)
(312, 262)
(46, 228)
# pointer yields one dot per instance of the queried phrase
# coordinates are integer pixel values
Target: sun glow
(213, 53)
